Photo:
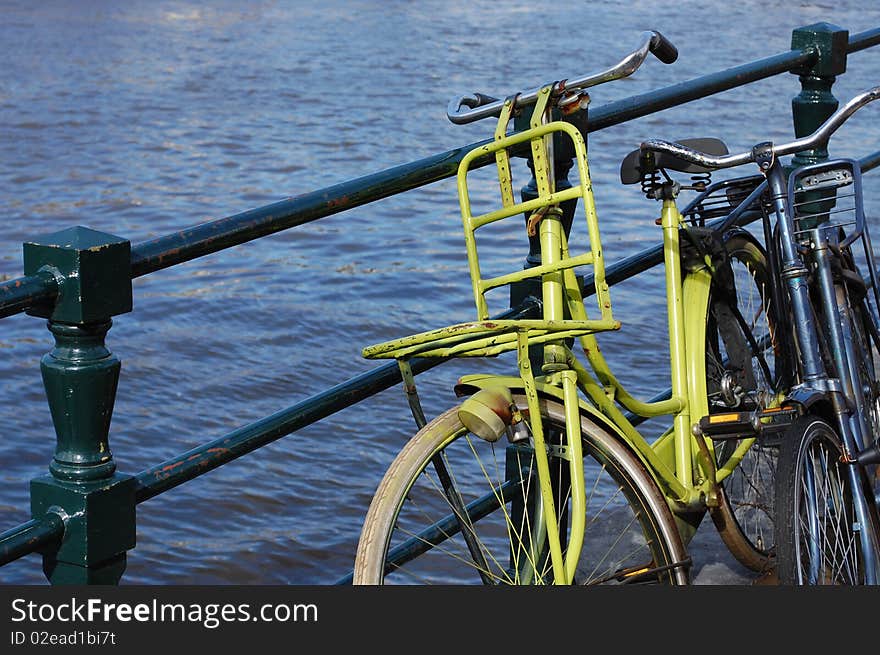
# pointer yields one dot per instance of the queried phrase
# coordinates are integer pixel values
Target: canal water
(143, 118)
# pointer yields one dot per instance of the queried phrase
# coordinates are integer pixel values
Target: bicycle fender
(812, 401)
(679, 503)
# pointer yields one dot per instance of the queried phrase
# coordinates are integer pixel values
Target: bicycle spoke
(448, 536)
(465, 520)
(446, 551)
(616, 541)
(508, 522)
(457, 504)
(831, 551)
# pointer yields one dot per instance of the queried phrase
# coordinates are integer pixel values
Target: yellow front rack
(485, 337)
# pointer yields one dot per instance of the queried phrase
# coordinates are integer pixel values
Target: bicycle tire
(867, 359)
(745, 515)
(814, 496)
(408, 505)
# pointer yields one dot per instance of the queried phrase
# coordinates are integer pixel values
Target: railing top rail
(19, 294)
(33, 535)
(864, 40)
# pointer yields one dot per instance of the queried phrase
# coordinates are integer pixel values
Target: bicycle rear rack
(720, 198)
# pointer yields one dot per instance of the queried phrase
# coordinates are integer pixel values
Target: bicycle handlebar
(818, 138)
(481, 106)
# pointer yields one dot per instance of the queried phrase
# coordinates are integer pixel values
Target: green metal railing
(78, 279)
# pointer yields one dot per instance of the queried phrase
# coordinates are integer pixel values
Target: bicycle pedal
(742, 425)
(645, 574)
(638, 575)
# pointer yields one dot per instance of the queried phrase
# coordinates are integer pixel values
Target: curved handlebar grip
(663, 48)
(483, 99)
(469, 108)
(463, 109)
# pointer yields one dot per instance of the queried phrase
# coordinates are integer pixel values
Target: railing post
(80, 376)
(815, 102)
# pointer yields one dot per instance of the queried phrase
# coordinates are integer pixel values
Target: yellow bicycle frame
(682, 464)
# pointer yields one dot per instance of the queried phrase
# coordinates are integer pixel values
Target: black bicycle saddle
(637, 164)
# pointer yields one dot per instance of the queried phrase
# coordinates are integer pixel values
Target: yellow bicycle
(543, 477)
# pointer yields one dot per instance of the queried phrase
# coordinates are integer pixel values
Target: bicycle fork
(841, 389)
(556, 365)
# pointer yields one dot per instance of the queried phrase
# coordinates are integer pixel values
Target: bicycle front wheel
(817, 527)
(455, 509)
